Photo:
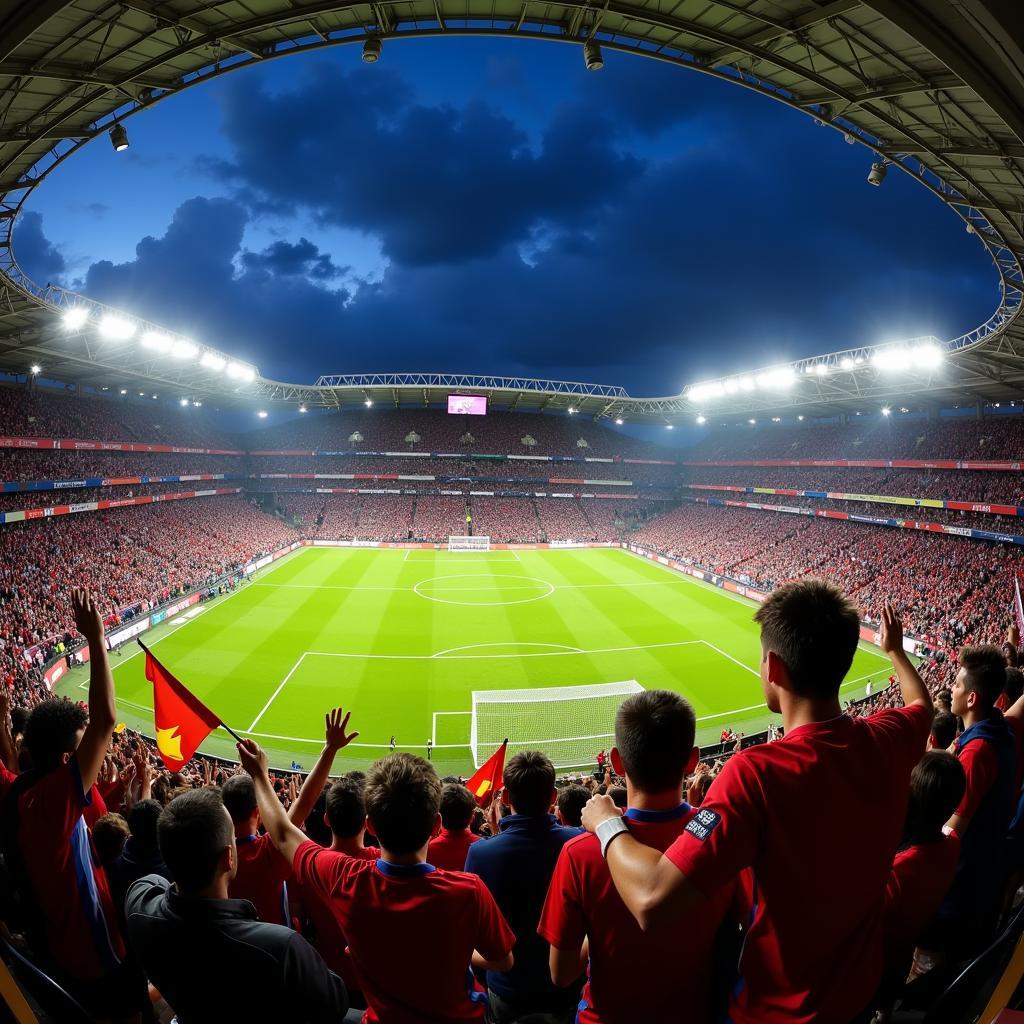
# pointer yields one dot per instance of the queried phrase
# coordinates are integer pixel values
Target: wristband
(608, 830)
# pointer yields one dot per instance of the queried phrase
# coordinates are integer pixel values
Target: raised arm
(654, 890)
(8, 752)
(102, 709)
(284, 835)
(335, 726)
(912, 687)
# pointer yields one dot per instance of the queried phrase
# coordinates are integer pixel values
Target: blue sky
(489, 206)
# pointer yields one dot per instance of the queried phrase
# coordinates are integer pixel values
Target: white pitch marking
(484, 657)
(273, 696)
(511, 643)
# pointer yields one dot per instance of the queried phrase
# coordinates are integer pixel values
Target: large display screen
(467, 405)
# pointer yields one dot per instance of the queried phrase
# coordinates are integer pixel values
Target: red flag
(487, 779)
(182, 720)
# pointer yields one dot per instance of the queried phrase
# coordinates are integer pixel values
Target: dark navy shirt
(517, 866)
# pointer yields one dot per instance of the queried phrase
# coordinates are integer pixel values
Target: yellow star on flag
(483, 787)
(168, 743)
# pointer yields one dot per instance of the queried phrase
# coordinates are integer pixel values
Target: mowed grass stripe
(236, 653)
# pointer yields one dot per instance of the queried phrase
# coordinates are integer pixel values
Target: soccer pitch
(403, 638)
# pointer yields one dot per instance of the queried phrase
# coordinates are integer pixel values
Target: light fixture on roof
(119, 138)
(368, 402)
(212, 361)
(123, 391)
(116, 328)
(800, 418)
(196, 405)
(669, 426)
(154, 397)
(75, 317)
(752, 422)
(371, 49)
(36, 369)
(849, 138)
(878, 171)
(701, 420)
(821, 369)
(572, 411)
(592, 56)
(776, 419)
(885, 410)
(262, 414)
(618, 421)
(157, 341)
(302, 408)
(239, 371)
(846, 363)
(184, 349)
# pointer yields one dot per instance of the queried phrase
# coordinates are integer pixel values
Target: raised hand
(253, 757)
(88, 620)
(890, 638)
(335, 725)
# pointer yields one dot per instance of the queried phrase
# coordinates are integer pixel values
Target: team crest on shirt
(702, 824)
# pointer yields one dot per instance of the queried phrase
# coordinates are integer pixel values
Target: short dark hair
(937, 786)
(403, 795)
(814, 628)
(1013, 686)
(571, 801)
(654, 733)
(529, 778)
(346, 808)
(142, 823)
(619, 796)
(457, 807)
(108, 835)
(193, 832)
(239, 796)
(943, 729)
(984, 672)
(50, 731)
(19, 716)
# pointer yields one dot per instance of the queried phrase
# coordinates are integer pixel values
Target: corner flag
(487, 779)
(182, 720)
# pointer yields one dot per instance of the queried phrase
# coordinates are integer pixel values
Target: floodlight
(182, 401)
(157, 341)
(75, 317)
(592, 55)
(849, 138)
(886, 410)
(212, 361)
(572, 411)
(196, 405)
(927, 356)
(800, 418)
(36, 368)
(302, 408)
(116, 328)
(776, 419)
(262, 414)
(123, 391)
(878, 172)
(846, 363)
(893, 358)
(371, 49)
(368, 403)
(154, 397)
(716, 389)
(731, 386)
(119, 138)
(701, 420)
(618, 422)
(752, 422)
(821, 369)
(184, 349)
(239, 371)
(668, 426)
(747, 384)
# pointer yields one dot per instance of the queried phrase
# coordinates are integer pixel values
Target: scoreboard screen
(467, 405)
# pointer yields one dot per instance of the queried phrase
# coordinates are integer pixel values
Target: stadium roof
(935, 90)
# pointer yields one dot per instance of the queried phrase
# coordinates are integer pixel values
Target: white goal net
(469, 543)
(568, 723)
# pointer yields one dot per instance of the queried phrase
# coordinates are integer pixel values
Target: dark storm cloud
(744, 235)
(435, 184)
(287, 260)
(38, 256)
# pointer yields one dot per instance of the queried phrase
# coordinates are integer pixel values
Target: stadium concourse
(750, 510)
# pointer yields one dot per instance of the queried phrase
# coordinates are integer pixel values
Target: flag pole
(222, 725)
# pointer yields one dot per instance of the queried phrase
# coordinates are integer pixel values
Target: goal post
(469, 543)
(568, 723)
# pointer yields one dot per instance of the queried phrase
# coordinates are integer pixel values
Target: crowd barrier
(18, 486)
(885, 499)
(99, 506)
(854, 517)
(73, 444)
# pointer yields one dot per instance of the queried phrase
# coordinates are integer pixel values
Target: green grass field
(403, 638)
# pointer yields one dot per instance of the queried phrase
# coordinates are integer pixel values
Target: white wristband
(608, 830)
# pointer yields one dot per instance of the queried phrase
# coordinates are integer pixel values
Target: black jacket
(215, 963)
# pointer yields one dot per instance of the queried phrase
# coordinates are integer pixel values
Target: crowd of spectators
(20, 464)
(296, 898)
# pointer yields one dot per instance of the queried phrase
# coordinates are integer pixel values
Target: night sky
(488, 206)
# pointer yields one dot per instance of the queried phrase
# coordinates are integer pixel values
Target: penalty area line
(273, 696)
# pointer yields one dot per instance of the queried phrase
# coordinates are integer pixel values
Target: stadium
(626, 683)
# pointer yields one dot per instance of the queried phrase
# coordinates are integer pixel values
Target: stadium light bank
(921, 355)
